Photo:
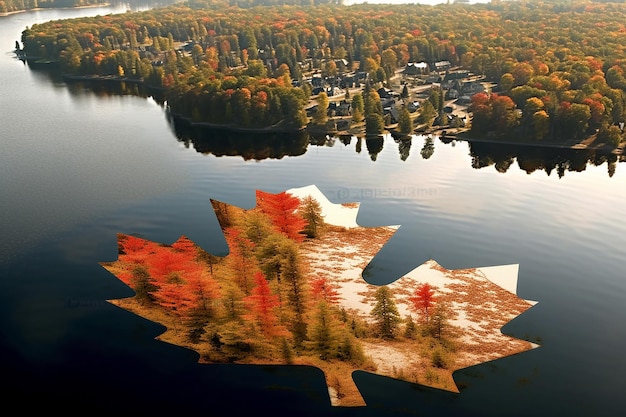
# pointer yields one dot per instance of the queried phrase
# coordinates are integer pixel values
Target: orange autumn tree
(282, 209)
(323, 289)
(170, 276)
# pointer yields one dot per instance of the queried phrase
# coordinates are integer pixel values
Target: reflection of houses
(343, 124)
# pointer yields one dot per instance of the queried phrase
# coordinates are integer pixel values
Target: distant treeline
(7, 6)
(559, 65)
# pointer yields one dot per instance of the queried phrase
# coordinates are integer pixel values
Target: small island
(499, 71)
(291, 292)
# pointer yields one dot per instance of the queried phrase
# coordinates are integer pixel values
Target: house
(441, 66)
(347, 81)
(343, 108)
(383, 92)
(316, 80)
(456, 75)
(413, 106)
(452, 94)
(415, 68)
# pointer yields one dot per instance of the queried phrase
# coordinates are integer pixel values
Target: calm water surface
(79, 164)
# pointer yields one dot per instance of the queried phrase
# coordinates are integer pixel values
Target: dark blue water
(79, 165)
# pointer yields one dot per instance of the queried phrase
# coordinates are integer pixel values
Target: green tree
(374, 124)
(324, 332)
(357, 107)
(410, 328)
(612, 135)
(294, 284)
(405, 91)
(385, 313)
(143, 284)
(320, 116)
(540, 124)
(405, 124)
(311, 211)
(507, 82)
(427, 113)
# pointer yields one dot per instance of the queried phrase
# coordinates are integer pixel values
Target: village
(415, 80)
(408, 88)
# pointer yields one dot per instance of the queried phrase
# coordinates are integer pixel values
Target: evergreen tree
(357, 108)
(410, 329)
(385, 313)
(324, 332)
(405, 91)
(143, 284)
(374, 124)
(311, 211)
(405, 124)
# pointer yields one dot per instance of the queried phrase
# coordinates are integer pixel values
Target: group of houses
(458, 85)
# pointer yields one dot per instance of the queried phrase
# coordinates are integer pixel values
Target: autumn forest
(557, 67)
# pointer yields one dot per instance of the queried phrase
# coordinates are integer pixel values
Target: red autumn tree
(133, 249)
(177, 298)
(184, 244)
(282, 209)
(166, 264)
(183, 283)
(422, 300)
(324, 290)
(263, 305)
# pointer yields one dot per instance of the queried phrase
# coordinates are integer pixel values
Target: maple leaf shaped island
(290, 291)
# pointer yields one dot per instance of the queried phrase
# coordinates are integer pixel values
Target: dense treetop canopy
(555, 51)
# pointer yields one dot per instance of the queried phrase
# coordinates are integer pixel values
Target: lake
(80, 163)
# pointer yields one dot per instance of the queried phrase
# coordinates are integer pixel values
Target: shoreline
(578, 146)
(460, 134)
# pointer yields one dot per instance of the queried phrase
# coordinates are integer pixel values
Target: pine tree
(324, 332)
(410, 329)
(357, 108)
(311, 211)
(322, 289)
(385, 313)
(405, 124)
(142, 284)
(405, 91)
